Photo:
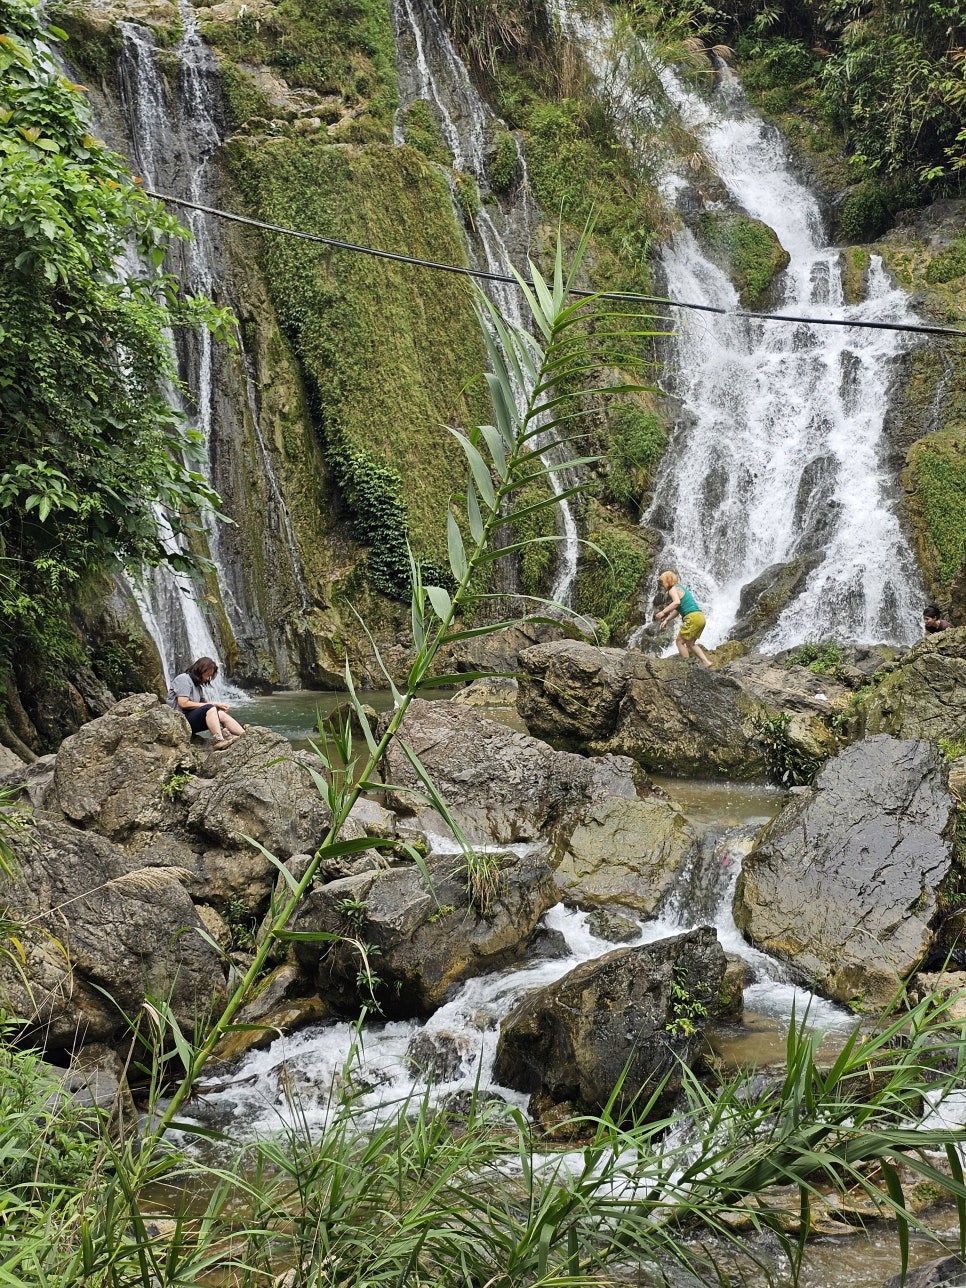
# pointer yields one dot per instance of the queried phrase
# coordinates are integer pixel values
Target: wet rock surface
(406, 943)
(843, 884)
(636, 1008)
(923, 693)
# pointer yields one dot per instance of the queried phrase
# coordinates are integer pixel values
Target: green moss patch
(422, 132)
(636, 438)
(343, 47)
(937, 473)
(753, 253)
(610, 576)
(390, 356)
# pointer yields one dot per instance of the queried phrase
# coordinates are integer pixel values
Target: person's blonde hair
(663, 579)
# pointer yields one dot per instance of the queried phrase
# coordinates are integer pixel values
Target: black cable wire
(627, 297)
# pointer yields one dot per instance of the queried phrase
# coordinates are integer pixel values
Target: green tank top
(688, 603)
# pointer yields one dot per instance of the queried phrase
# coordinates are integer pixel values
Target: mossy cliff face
(927, 423)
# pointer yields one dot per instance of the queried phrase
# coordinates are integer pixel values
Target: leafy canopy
(89, 445)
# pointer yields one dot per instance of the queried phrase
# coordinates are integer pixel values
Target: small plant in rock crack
(788, 764)
(175, 784)
(686, 1010)
(353, 911)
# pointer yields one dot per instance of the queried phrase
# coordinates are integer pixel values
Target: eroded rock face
(99, 938)
(501, 786)
(923, 695)
(420, 941)
(642, 1008)
(843, 883)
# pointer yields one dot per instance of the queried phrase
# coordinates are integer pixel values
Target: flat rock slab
(843, 884)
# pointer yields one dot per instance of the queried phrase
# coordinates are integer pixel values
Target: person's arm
(675, 595)
(182, 688)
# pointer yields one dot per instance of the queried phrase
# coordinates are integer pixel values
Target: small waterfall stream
(174, 138)
(297, 1077)
(778, 451)
(435, 73)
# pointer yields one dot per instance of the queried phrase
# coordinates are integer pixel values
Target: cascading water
(430, 69)
(778, 451)
(298, 1076)
(174, 138)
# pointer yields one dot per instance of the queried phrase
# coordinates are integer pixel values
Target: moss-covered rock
(612, 568)
(751, 253)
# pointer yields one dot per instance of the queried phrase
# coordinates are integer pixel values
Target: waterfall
(778, 451)
(174, 138)
(435, 73)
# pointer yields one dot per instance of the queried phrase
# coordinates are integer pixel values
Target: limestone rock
(923, 694)
(99, 938)
(625, 852)
(500, 785)
(843, 883)
(419, 941)
(642, 1008)
(571, 691)
(109, 775)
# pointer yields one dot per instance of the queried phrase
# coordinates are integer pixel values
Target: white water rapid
(298, 1078)
(430, 70)
(174, 136)
(778, 452)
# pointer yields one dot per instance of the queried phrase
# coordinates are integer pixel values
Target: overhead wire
(626, 297)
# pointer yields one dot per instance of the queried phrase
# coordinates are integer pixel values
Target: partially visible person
(932, 620)
(682, 602)
(186, 695)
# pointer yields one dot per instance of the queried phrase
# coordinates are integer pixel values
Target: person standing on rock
(682, 602)
(186, 696)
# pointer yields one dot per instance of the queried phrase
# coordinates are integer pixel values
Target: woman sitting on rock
(186, 696)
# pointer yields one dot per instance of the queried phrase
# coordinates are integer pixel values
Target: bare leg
(682, 647)
(699, 652)
(214, 724)
(231, 724)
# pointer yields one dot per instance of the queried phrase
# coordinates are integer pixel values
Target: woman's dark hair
(205, 666)
(930, 611)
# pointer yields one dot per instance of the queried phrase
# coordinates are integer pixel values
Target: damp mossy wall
(392, 354)
(751, 252)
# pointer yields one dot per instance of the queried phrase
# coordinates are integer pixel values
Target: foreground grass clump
(423, 1193)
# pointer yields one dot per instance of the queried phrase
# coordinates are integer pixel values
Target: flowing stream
(430, 70)
(778, 452)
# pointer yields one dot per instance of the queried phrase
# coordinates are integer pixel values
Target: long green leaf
(454, 543)
(479, 469)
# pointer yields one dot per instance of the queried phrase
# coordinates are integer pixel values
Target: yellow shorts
(692, 624)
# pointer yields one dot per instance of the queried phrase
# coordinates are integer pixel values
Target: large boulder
(134, 777)
(110, 775)
(923, 693)
(500, 786)
(418, 938)
(672, 716)
(635, 1013)
(625, 852)
(843, 884)
(98, 939)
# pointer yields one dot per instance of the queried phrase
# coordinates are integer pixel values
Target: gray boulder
(923, 693)
(672, 716)
(950, 1271)
(500, 785)
(843, 884)
(100, 938)
(418, 940)
(639, 1010)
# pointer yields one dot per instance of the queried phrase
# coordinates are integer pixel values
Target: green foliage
(788, 764)
(422, 132)
(938, 470)
(89, 443)
(821, 659)
(686, 1010)
(949, 263)
(610, 575)
(637, 438)
(535, 530)
(46, 1138)
(387, 365)
(467, 196)
(490, 31)
(504, 162)
(245, 100)
(174, 785)
(342, 47)
(865, 211)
